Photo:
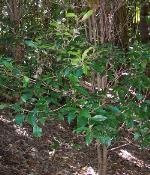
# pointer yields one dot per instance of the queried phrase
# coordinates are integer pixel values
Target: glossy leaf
(19, 119)
(37, 131)
(70, 15)
(99, 118)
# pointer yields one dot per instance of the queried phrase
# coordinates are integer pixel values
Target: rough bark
(144, 27)
(14, 8)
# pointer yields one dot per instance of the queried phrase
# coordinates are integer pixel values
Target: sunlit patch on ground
(61, 153)
(19, 130)
(131, 158)
(3, 119)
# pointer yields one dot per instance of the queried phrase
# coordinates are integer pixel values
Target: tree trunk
(120, 19)
(102, 159)
(14, 8)
(144, 27)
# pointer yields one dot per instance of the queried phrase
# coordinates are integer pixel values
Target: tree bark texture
(144, 26)
(102, 159)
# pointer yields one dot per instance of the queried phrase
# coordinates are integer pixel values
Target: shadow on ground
(60, 152)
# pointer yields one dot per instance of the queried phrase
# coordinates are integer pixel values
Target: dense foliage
(54, 75)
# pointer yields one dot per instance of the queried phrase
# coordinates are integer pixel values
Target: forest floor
(61, 152)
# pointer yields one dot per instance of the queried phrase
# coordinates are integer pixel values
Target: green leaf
(71, 117)
(105, 140)
(42, 120)
(80, 129)
(31, 119)
(114, 109)
(136, 136)
(3, 106)
(139, 96)
(73, 78)
(16, 107)
(37, 131)
(75, 53)
(26, 81)
(82, 119)
(87, 15)
(85, 113)
(19, 119)
(25, 97)
(99, 118)
(30, 43)
(84, 55)
(85, 69)
(8, 64)
(75, 61)
(70, 15)
(81, 90)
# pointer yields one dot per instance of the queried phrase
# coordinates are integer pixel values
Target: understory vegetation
(83, 62)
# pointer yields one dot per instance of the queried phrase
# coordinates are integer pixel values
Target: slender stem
(99, 153)
(104, 163)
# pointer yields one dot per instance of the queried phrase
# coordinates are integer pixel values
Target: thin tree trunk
(102, 159)
(99, 153)
(104, 166)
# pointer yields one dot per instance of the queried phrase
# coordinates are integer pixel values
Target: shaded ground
(60, 152)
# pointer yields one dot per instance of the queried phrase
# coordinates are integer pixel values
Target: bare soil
(61, 152)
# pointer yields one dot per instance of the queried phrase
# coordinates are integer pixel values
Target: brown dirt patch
(60, 152)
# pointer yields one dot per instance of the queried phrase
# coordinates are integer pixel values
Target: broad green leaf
(25, 97)
(87, 15)
(85, 113)
(85, 69)
(75, 61)
(73, 78)
(80, 129)
(99, 118)
(71, 117)
(31, 118)
(70, 15)
(30, 43)
(82, 119)
(19, 119)
(79, 72)
(37, 131)
(26, 81)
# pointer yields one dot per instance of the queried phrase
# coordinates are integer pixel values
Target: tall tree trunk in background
(2, 44)
(144, 27)
(47, 12)
(98, 30)
(108, 24)
(14, 8)
(120, 24)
